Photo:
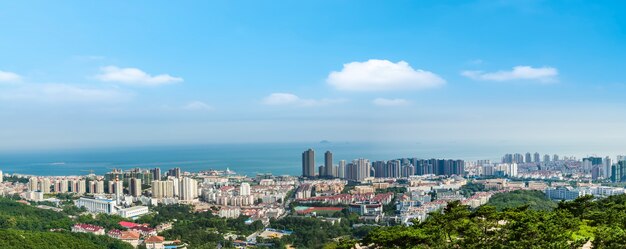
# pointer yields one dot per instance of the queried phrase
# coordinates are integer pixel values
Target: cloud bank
(197, 106)
(9, 76)
(63, 93)
(134, 76)
(542, 74)
(390, 102)
(281, 99)
(382, 75)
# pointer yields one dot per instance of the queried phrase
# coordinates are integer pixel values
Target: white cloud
(61, 93)
(390, 102)
(380, 75)
(134, 76)
(197, 106)
(293, 100)
(543, 74)
(9, 76)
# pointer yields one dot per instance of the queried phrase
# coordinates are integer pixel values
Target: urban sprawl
(398, 191)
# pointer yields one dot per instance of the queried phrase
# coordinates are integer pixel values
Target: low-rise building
(366, 208)
(88, 228)
(97, 205)
(133, 212)
(154, 242)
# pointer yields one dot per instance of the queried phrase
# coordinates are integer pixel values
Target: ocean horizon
(244, 159)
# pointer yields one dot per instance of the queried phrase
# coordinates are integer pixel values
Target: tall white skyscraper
(512, 170)
(606, 167)
(135, 187)
(162, 189)
(33, 184)
(244, 189)
(1, 176)
(45, 185)
(82, 187)
(188, 189)
(176, 186)
(341, 170)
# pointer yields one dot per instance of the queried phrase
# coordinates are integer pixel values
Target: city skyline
(234, 73)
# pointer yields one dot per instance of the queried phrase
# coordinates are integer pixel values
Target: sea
(244, 159)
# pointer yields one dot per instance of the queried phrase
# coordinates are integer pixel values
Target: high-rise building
(33, 184)
(99, 187)
(116, 187)
(341, 170)
(45, 185)
(408, 170)
(156, 173)
(244, 189)
(379, 168)
(96, 187)
(358, 169)
(508, 158)
(512, 169)
(162, 189)
(606, 167)
(328, 164)
(439, 167)
(188, 189)
(536, 157)
(518, 158)
(615, 173)
(175, 172)
(308, 163)
(546, 158)
(595, 172)
(1, 176)
(60, 186)
(555, 157)
(135, 187)
(393, 169)
(528, 158)
(81, 186)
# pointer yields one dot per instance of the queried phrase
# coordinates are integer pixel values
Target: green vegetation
(32, 239)
(536, 200)
(14, 215)
(15, 179)
(24, 226)
(316, 233)
(471, 188)
(569, 225)
(198, 229)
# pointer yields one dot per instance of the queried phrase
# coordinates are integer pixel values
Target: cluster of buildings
(361, 169)
(260, 198)
(135, 234)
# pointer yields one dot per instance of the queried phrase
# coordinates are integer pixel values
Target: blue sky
(110, 73)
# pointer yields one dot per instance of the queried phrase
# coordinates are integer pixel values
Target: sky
(79, 74)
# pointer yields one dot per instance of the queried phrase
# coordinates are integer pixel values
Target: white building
(97, 205)
(133, 212)
(162, 189)
(45, 185)
(33, 184)
(229, 212)
(244, 189)
(188, 189)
